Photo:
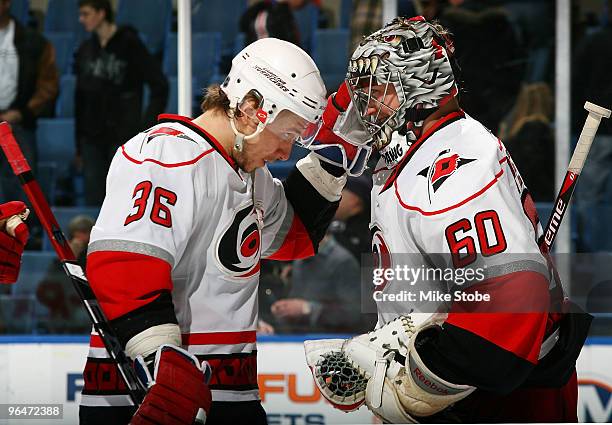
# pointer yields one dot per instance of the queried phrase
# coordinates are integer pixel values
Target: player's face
(266, 147)
(383, 102)
(274, 143)
(91, 18)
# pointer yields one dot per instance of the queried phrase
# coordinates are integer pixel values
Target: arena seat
(20, 9)
(331, 55)
(215, 16)
(63, 16)
(55, 143)
(307, 19)
(206, 56)
(65, 45)
(154, 24)
(64, 107)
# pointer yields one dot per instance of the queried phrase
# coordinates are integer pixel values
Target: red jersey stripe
(163, 164)
(125, 281)
(514, 319)
(219, 338)
(297, 243)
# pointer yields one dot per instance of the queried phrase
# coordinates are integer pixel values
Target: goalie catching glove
(383, 370)
(177, 388)
(342, 140)
(13, 237)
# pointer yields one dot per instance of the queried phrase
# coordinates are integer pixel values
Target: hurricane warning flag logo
(167, 131)
(444, 166)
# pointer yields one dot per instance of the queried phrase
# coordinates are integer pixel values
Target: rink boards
(48, 370)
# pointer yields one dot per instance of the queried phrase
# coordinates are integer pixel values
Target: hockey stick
(596, 113)
(22, 170)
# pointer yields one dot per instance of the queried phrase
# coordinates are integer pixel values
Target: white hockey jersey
(175, 195)
(455, 202)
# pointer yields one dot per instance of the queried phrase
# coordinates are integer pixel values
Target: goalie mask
(398, 76)
(272, 78)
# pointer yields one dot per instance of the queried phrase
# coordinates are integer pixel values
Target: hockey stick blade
(22, 170)
(596, 113)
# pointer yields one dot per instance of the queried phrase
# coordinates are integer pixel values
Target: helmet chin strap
(241, 137)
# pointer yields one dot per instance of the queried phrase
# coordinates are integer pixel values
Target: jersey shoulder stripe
(450, 207)
(458, 165)
(163, 164)
(172, 143)
(189, 124)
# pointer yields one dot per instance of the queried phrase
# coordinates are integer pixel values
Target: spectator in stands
(325, 293)
(590, 81)
(271, 19)
(491, 58)
(111, 68)
(351, 222)
(529, 137)
(56, 292)
(28, 87)
(366, 18)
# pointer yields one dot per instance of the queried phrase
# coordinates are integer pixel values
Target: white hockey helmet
(285, 81)
(409, 57)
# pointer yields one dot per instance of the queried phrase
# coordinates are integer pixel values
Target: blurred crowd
(111, 75)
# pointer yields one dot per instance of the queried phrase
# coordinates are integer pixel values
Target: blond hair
(534, 103)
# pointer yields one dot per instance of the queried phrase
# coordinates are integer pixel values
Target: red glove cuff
(342, 98)
(10, 258)
(12, 208)
(337, 103)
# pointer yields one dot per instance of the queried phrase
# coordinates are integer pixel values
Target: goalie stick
(22, 170)
(596, 113)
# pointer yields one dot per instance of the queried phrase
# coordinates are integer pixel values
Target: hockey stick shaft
(596, 113)
(22, 170)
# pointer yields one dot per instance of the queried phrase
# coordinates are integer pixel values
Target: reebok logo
(416, 372)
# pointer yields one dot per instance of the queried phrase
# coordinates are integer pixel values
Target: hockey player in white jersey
(447, 196)
(190, 210)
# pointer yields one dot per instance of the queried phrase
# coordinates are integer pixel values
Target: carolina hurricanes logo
(445, 165)
(167, 131)
(239, 246)
(382, 256)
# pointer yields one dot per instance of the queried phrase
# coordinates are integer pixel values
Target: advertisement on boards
(51, 374)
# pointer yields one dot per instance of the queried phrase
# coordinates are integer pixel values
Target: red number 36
(160, 213)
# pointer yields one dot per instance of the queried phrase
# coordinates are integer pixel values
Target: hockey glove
(178, 388)
(342, 141)
(13, 237)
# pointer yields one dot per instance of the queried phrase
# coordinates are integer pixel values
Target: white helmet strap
(252, 112)
(241, 137)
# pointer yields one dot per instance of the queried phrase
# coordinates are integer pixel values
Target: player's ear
(245, 116)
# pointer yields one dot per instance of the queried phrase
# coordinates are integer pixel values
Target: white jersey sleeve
(153, 192)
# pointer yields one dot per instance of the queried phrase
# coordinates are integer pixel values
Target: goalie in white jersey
(189, 212)
(447, 196)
